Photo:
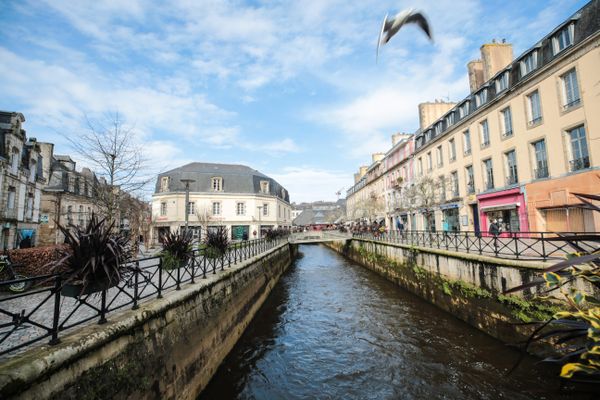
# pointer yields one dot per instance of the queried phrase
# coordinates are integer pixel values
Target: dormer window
(428, 135)
(463, 110)
(32, 171)
(14, 161)
(164, 184)
(438, 128)
(480, 98)
(563, 39)
(450, 119)
(502, 82)
(528, 63)
(217, 184)
(264, 187)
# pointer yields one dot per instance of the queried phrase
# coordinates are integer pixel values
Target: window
(265, 209)
(489, 174)
(438, 128)
(481, 98)
(502, 82)
(164, 184)
(450, 119)
(69, 214)
(12, 192)
(528, 63)
(454, 183)
(216, 184)
(240, 208)
(442, 188)
(440, 157)
(534, 108)
(570, 89)
(76, 186)
(463, 110)
(467, 142)
(511, 168)
(14, 161)
(563, 39)
(506, 122)
(191, 208)
(163, 208)
(420, 166)
(541, 159)
(429, 162)
(264, 187)
(485, 133)
(216, 208)
(470, 179)
(80, 215)
(452, 149)
(579, 151)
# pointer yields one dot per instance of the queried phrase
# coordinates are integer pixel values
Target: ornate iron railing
(43, 313)
(542, 246)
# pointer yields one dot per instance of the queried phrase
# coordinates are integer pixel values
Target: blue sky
(290, 88)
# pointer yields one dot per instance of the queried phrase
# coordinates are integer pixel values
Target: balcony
(572, 104)
(541, 171)
(579, 163)
(512, 179)
(535, 121)
(467, 152)
(507, 134)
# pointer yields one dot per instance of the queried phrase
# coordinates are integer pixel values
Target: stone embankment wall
(167, 349)
(468, 286)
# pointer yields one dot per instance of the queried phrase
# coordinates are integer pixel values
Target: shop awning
(509, 206)
(449, 205)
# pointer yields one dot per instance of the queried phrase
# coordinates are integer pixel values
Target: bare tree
(424, 195)
(110, 150)
(369, 208)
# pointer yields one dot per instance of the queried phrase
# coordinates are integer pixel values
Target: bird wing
(419, 19)
(383, 29)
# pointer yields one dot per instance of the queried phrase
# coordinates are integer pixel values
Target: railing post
(135, 286)
(543, 247)
(446, 239)
(178, 280)
(159, 296)
(479, 242)
(193, 264)
(467, 240)
(103, 308)
(516, 246)
(56, 318)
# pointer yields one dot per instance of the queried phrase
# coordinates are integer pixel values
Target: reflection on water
(332, 329)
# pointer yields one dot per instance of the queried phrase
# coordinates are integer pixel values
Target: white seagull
(391, 26)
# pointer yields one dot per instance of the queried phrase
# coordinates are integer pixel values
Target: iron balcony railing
(44, 313)
(579, 163)
(541, 171)
(517, 245)
(512, 179)
(535, 121)
(572, 104)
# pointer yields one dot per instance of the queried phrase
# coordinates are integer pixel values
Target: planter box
(77, 290)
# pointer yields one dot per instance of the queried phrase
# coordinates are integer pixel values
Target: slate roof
(318, 217)
(236, 179)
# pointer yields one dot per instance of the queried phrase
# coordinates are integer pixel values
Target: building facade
(21, 182)
(245, 201)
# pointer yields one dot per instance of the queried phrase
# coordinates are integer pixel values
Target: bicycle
(16, 287)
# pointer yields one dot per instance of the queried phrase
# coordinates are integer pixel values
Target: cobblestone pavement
(38, 305)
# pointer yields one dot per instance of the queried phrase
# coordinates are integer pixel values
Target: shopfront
(240, 232)
(507, 207)
(450, 219)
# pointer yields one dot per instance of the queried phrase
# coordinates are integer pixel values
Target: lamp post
(259, 221)
(187, 200)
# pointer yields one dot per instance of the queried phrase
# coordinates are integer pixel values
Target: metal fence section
(43, 313)
(542, 246)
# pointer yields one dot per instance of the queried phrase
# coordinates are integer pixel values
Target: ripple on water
(331, 329)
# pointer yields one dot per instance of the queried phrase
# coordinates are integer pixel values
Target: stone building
(67, 199)
(21, 181)
(242, 199)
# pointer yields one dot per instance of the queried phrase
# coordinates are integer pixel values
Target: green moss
(446, 288)
(528, 310)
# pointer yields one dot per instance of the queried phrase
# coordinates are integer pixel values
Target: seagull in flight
(391, 26)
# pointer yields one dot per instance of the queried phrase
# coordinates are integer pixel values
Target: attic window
(217, 184)
(528, 63)
(264, 187)
(481, 98)
(502, 82)
(164, 184)
(563, 39)
(463, 110)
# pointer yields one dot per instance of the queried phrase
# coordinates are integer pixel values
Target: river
(331, 329)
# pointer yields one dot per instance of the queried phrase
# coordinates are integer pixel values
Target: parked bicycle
(9, 266)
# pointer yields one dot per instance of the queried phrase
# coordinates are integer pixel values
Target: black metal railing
(541, 171)
(512, 179)
(535, 121)
(43, 313)
(572, 103)
(579, 163)
(542, 246)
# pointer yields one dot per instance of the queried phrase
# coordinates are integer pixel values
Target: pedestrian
(401, 228)
(494, 228)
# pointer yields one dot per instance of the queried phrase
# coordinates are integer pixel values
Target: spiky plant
(216, 242)
(94, 255)
(176, 248)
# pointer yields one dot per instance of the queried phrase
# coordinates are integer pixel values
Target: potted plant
(94, 258)
(216, 242)
(176, 249)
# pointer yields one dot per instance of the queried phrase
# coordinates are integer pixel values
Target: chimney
(495, 57)
(362, 170)
(475, 69)
(397, 137)
(356, 177)
(431, 112)
(377, 157)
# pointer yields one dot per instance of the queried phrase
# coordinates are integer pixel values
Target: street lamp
(259, 221)
(187, 200)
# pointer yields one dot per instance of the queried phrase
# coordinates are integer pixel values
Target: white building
(245, 201)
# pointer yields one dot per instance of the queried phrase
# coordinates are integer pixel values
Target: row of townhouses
(515, 150)
(39, 188)
(243, 200)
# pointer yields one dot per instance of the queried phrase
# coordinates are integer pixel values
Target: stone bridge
(317, 237)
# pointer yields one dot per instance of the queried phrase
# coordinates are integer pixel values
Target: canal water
(332, 329)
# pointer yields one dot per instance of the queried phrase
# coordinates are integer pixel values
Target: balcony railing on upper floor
(579, 163)
(534, 121)
(512, 179)
(572, 104)
(541, 171)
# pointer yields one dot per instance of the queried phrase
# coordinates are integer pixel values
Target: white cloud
(305, 183)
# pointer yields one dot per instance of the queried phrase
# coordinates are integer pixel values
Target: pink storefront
(506, 206)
